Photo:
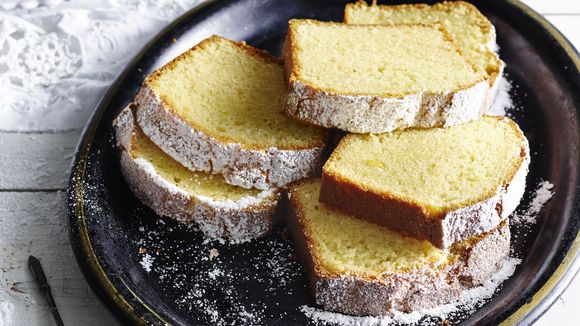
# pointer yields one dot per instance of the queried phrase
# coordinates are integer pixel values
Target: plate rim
(569, 268)
(98, 280)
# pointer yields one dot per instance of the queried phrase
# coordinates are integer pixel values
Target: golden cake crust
(495, 65)
(199, 150)
(234, 222)
(410, 218)
(482, 22)
(477, 260)
(378, 113)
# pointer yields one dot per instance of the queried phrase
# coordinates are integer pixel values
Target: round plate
(151, 270)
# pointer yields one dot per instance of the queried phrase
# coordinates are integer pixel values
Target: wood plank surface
(35, 224)
(36, 161)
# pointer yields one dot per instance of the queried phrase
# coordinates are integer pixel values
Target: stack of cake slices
(410, 208)
(206, 140)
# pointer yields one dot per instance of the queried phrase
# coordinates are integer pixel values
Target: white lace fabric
(58, 57)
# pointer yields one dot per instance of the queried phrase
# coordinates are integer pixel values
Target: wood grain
(34, 224)
(36, 161)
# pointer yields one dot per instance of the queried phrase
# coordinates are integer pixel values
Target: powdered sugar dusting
(377, 114)
(502, 102)
(218, 291)
(469, 301)
(235, 220)
(264, 169)
(217, 281)
(146, 262)
(541, 195)
(241, 203)
(150, 169)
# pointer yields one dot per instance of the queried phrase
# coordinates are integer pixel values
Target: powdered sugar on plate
(146, 262)
(502, 102)
(219, 282)
(542, 194)
(215, 285)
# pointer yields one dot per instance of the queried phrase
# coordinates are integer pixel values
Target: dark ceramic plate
(114, 236)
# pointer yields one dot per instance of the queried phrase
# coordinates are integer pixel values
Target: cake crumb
(213, 253)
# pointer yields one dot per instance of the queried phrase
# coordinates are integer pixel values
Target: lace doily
(58, 57)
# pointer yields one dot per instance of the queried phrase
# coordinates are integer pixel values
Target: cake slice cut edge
(218, 108)
(375, 88)
(205, 201)
(474, 34)
(395, 273)
(442, 185)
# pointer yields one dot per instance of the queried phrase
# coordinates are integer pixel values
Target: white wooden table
(33, 174)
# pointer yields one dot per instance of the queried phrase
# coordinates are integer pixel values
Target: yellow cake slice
(359, 268)
(218, 209)
(218, 108)
(470, 29)
(373, 78)
(440, 185)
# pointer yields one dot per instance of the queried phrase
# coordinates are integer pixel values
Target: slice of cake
(439, 185)
(363, 78)
(219, 108)
(359, 268)
(218, 209)
(472, 31)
